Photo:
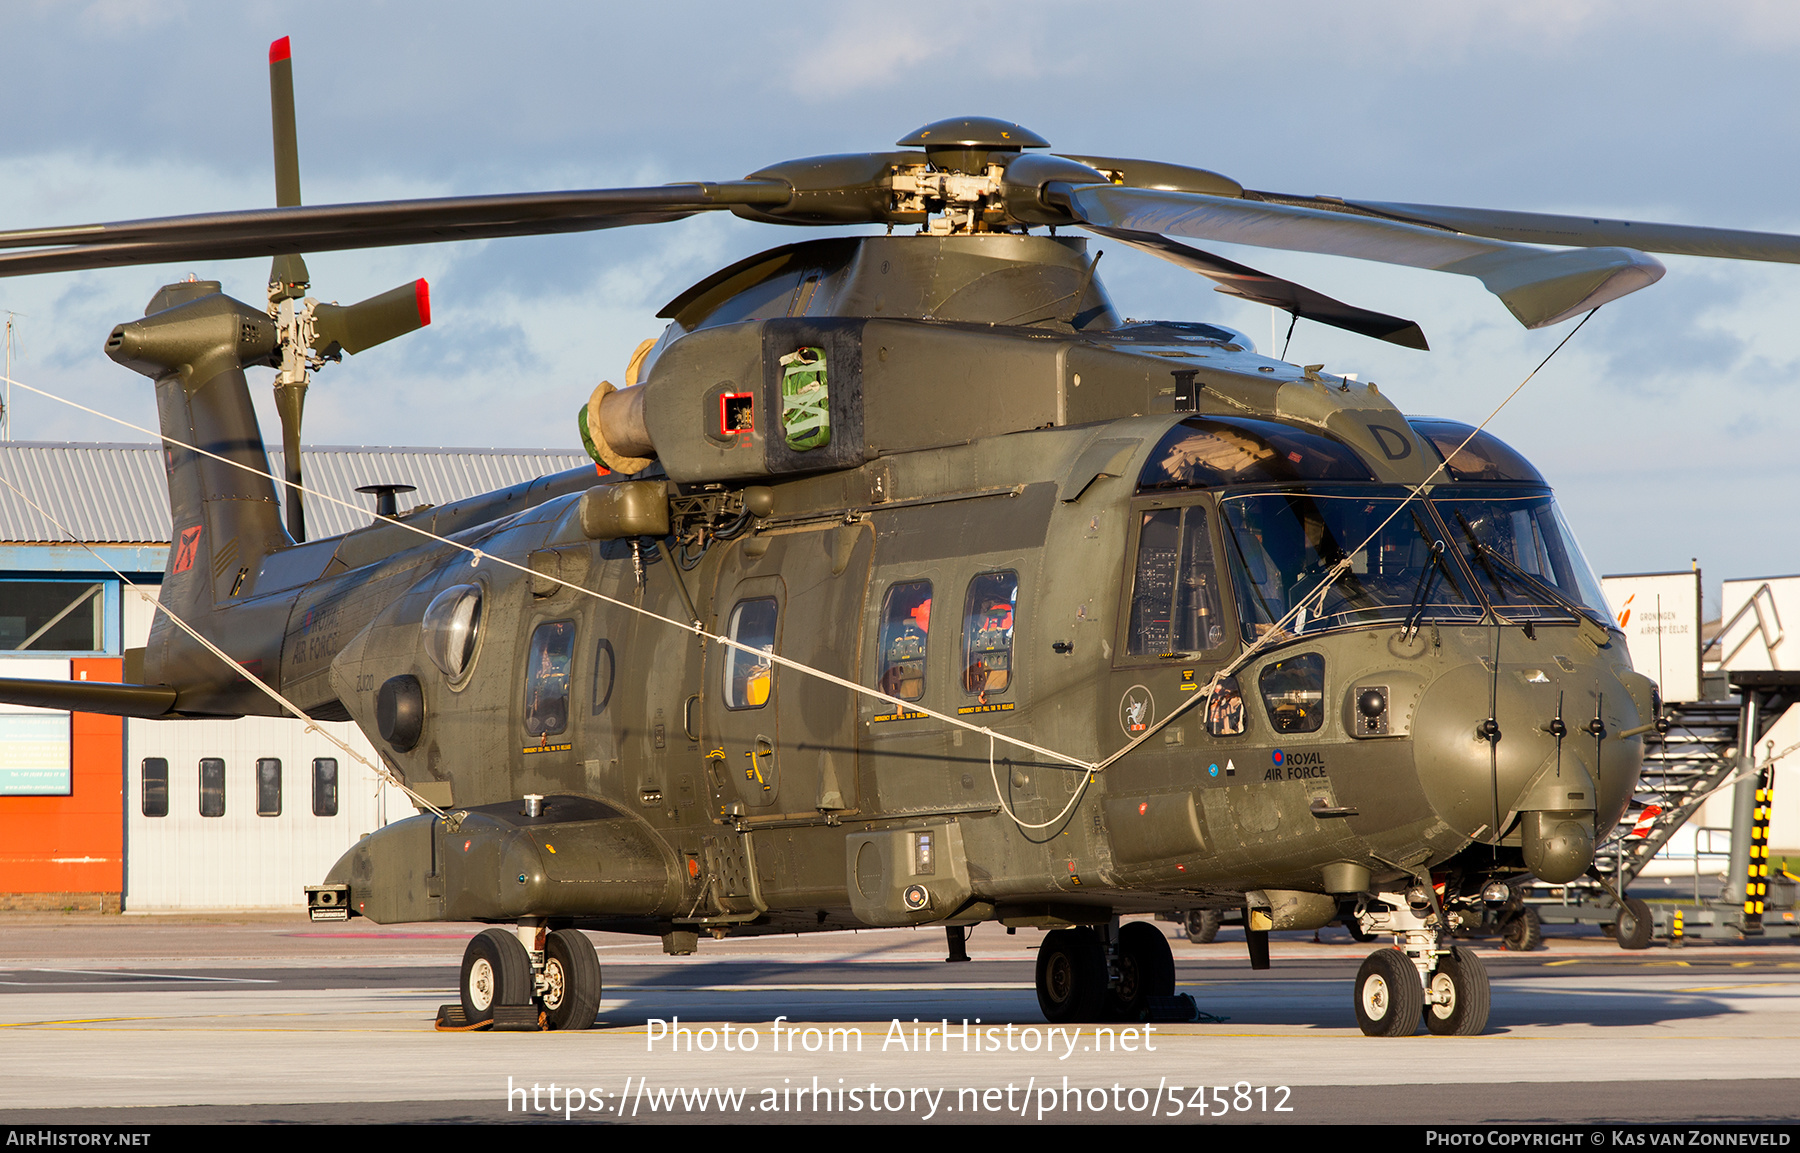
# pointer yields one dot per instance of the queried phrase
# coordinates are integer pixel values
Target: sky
(1667, 425)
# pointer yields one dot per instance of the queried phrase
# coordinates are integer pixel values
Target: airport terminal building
(106, 813)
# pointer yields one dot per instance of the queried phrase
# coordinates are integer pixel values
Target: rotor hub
(963, 144)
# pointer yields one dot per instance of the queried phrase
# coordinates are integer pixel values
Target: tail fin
(195, 342)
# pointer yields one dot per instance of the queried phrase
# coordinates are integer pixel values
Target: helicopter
(1213, 632)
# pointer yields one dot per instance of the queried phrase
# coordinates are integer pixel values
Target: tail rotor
(309, 332)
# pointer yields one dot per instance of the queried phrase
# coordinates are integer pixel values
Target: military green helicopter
(915, 586)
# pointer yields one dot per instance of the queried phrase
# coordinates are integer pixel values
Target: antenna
(6, 404)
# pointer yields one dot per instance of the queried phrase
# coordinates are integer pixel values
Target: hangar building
(105, 813)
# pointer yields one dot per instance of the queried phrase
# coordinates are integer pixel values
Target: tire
(1203, 925)
(1389, 998)
(1523, 933)
(1353, 925)
(1071, 976)
(1463, 980)
(572, 974)
(496, 970)
(1635, 925)
(1146, 970)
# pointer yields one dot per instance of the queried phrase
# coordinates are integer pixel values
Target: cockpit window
(1175, 604)
(1521, 551)
(1282, 546)
(1209, 452)
(1484, 457)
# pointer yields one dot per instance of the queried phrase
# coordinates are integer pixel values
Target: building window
(905, 628)
(212, 787)
(53, 616)
(35, 751)
(155, 787)
(325, 787)
(268, 787)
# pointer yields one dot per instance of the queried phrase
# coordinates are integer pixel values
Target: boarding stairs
(1682, 767)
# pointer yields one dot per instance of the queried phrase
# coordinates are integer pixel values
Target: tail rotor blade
(281, 108)
(354, 327)
(287, 275)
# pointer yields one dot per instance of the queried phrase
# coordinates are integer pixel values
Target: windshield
(1516, 543)
(1281, 545)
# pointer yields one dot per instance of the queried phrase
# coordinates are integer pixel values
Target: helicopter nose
(1494, 769)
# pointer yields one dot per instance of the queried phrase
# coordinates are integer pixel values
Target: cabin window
(212, 787)
(547, 678)
(749, 673)
(905, 628)
(325, 786)
(268, 787)
(988, 633)
(1175, 605)
(154, 786)
(452, 625)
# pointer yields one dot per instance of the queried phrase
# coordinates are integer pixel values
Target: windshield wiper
(1415, 615)
(1542, 586)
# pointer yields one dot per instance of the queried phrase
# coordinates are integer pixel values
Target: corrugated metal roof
(440, 474)
(103, 493)
(116, 493)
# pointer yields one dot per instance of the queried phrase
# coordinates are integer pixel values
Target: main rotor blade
(1540, 287)
(1157, 174)
(378, 224)
(1251, 284)
(367, 323)
(1586, 231)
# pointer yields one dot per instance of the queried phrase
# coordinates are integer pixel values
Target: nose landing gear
(1389, 997)
(1424, 975)
(1457, 997)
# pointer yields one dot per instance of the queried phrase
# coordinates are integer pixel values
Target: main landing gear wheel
(1460, 997)
(1524, 932)
(1635, 925)
(1071, 976)
(1146, 970)
(571, 979)
(1389, 998)
(1203, 925)
(496, 970)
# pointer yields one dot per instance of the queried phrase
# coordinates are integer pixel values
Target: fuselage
(1348, 650)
